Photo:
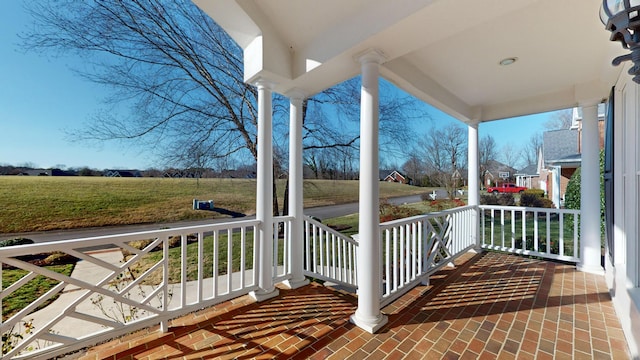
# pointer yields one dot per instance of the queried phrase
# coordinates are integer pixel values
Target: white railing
(282, 248)
(416, 247)
(123, 283)
(547, 233)
(329, 255)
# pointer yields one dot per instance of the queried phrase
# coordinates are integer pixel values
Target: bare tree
(530, 151)
(414, 168)
(444, 154)
(560, 120)
(171, 64)
(509, 155)
(181, 76)
(488, 153)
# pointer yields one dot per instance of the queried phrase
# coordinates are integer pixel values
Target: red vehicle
(506, 188)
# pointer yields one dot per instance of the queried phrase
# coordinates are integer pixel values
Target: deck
(489, 306)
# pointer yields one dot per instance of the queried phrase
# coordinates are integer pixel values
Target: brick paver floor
(489, 306)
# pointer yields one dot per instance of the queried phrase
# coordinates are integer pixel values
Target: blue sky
(41, 98)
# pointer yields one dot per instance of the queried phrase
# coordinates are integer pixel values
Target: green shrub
(15, 242)
(498, 199)
(537, 192)
(572, 194)
(547, 203)
(533, 200)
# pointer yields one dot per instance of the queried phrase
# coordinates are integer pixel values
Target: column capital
(296, 94)
(371, 56)
(264, 83)
(474, 124)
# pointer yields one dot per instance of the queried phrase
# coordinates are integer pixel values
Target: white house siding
(623, 275)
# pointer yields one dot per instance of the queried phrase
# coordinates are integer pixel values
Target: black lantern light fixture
(622, 18)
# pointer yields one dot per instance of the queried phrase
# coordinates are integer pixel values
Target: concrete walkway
(87, 272)
(106, 308)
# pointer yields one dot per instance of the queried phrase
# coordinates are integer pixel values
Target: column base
(294, 283)
(370, 327)
(592, 269)
(261, 295)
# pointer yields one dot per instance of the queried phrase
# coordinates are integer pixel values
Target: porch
(144, 279)
(490, 305)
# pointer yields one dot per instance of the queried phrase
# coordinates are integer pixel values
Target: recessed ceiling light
(508, 61)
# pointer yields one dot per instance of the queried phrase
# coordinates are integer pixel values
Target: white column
(296, 191)
(264, 194)
(474, 168)
(473, 173)
(368, 315)
(590, 253)
(555, 185)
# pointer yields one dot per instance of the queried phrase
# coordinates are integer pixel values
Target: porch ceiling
(446, 53)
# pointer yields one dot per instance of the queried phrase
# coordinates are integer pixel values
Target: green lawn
(49, 203)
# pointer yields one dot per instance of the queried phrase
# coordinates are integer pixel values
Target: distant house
(122, 173)
(397, 177)
(562, 155)
(492, 171)
(35, 172)
(528, 177)
(46, 172)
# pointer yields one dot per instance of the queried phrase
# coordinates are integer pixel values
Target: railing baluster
(502, 231)
(561, 234)
(334, 265)
(200, 265)
(183, 270)
(387, 262)
(315, 250)
(548, 219)
(396, 259)
(243, 255)
(229, 260)
(493, 221)
(402, 257)
(524, 230)
(414, 252)
(216, 262)
(536, 232)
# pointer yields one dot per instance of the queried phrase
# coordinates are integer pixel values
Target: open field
(50, 203)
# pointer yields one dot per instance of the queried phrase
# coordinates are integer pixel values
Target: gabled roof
(569, 161)
(558, 144)
(529, 170)
(494, 167)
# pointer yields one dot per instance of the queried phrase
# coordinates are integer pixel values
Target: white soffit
(445, 52)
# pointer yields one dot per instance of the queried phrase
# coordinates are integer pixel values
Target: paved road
(322, 212)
